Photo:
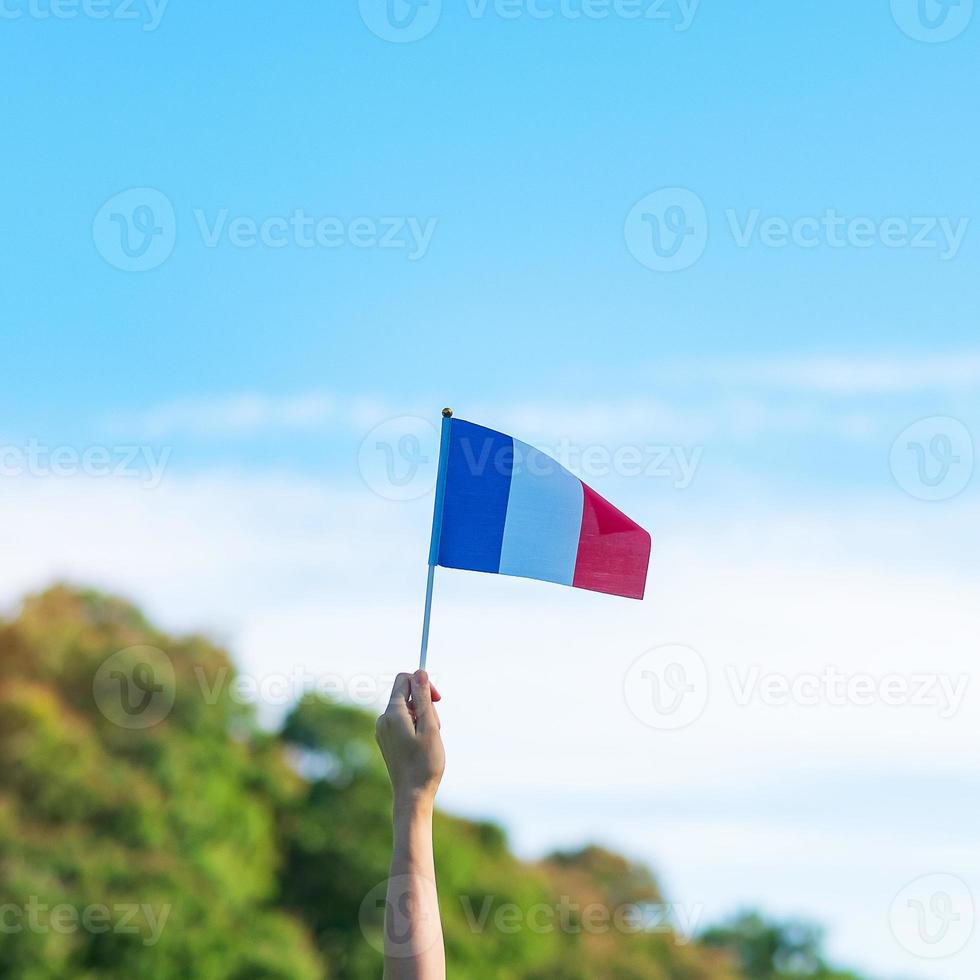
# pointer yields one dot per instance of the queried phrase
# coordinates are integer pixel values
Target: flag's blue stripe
(544, 518)
(478, 475)
(440, 490)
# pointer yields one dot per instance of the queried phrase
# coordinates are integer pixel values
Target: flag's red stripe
(613, 551)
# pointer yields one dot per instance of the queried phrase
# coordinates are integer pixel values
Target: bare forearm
(408, 733)
(412, 838)
(413, 930)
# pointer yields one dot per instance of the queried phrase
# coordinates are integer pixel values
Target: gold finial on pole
(447, 413)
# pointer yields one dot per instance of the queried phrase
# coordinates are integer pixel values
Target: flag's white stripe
(544, 518)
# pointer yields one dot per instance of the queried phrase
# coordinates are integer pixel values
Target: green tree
(767, 950)
(176, 820)
(132, 782)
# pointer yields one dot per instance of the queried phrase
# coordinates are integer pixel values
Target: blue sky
(528, 140)
(819, 343)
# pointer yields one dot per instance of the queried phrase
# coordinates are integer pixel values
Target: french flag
(504, 507)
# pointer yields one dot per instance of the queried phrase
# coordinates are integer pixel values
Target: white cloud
(659, 422)
(202, 551)
(831, 376)
(695, 401)
(864, 375)
(233, 415)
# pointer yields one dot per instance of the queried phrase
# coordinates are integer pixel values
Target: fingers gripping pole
(425, 619)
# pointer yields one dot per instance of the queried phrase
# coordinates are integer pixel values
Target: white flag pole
(447, 414)
(425, 620)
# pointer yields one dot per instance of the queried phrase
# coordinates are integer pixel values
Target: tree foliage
(202, 846)
(766, 950)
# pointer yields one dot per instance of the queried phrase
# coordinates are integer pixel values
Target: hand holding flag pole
(506, 508)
